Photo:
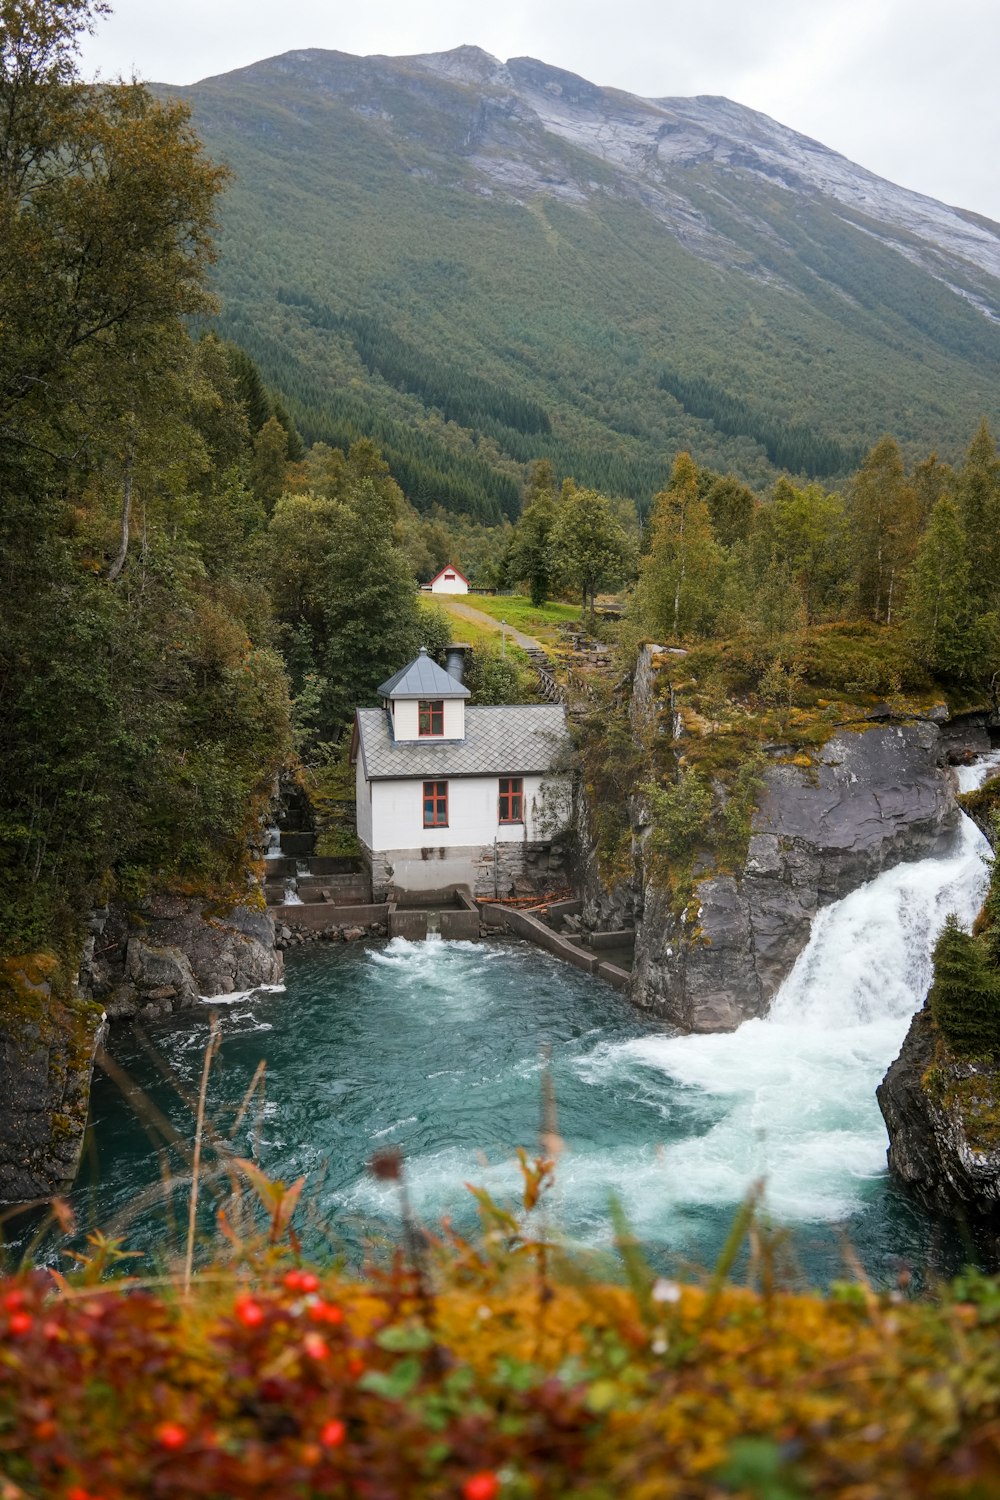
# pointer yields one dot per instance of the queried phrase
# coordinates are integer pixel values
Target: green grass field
(540, 621)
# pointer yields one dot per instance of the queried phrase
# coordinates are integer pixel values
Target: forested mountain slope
(479, 264)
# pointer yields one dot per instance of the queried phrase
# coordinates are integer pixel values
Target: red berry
(171, 1435)
(293, 1281)
(20, 1323)
(482, 1486)
(315, 1346)
(308, 1281)
(249, 1312)
(325, 1312)
(13, 1299)
(333, 1434)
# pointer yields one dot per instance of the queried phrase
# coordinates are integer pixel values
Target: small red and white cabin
(449, 581)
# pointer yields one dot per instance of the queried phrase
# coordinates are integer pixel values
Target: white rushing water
(791, 1098)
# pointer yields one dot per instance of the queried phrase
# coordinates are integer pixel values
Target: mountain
(480, 263)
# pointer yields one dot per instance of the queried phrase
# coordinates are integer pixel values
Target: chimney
(454, 660)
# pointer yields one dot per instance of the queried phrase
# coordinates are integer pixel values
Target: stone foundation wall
(480, 872)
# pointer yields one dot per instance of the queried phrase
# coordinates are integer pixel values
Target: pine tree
(978, 494)
(965, 997)
(939, 619)
(530, 556)
(370, 617)
(270, 457)
(931, 479)
(731, 507)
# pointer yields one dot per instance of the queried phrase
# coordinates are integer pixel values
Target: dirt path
(466, 612)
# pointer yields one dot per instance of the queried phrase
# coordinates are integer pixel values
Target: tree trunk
(122, 553)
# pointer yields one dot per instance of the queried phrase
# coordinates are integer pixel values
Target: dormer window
(431, 718)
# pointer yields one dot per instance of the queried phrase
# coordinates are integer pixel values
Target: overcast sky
(907, 88)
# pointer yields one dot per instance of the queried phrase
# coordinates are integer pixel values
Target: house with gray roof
(453, 796)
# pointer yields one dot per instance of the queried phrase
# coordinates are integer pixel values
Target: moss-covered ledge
(47, 1041)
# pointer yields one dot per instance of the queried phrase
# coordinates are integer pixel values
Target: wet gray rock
(934, 1148)
(873, 799)
(175, 952)
(47, 1043)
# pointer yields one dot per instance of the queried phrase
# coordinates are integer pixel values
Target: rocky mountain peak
(464, 64)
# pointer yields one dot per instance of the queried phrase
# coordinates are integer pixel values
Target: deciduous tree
(591, 546)
(680, 576)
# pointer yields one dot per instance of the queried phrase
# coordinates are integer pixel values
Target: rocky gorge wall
(875, 794)
(942, 1114)
(172, 952)
(944, 1130)
(169, 954)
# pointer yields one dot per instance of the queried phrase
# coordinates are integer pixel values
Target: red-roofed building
(449, 581)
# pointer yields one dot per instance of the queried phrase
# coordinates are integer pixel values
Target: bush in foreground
(491, 1371)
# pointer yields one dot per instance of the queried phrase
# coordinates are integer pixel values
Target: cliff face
(870, 800)
(170, 955)
(944, 1129)
(173, 953)
(874, 795)
(47, 1043)
(943, 1112)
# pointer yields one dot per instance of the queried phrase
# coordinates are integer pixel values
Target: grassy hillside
(387, 289)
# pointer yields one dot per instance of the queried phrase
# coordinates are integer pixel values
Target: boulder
(943, 1119)
(176, 951)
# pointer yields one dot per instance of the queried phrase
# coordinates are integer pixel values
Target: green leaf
(404, 1338)
(394, 1384)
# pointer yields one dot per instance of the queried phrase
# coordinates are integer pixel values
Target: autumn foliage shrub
(497, 1369)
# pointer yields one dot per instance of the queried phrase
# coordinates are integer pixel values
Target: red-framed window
(435, 804)
(511, 799)
(431, 716)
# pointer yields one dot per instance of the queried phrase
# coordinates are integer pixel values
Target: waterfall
(273, 850)
(792, 1096)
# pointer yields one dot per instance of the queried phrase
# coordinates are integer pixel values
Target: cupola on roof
(423, 678)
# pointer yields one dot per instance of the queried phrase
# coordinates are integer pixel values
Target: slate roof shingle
(423, 678)
(522, 739)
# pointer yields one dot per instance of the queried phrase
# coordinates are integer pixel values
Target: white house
(449, 581)
(454, 796)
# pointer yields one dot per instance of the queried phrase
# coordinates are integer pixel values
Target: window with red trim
(511, 799)
(435, 804)
(431, 716)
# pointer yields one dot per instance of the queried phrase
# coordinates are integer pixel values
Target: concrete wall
(344, 890)
(406, 719)
(407, 924)
(334, 864)
(523, 924)
(316, 916)
(296, 844)
(460, 925)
